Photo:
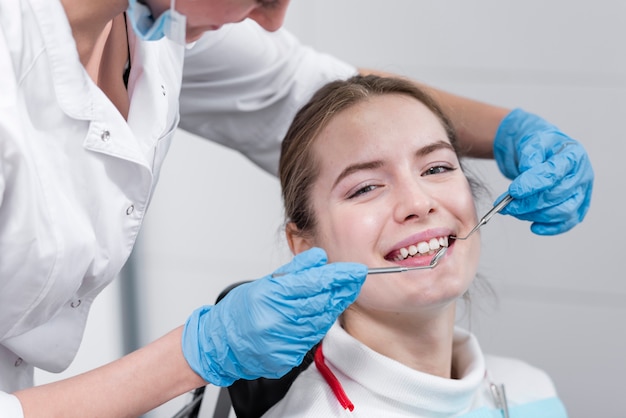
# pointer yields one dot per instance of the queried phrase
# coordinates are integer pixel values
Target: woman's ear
(296, 240)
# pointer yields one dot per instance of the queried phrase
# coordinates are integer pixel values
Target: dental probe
(497, 208)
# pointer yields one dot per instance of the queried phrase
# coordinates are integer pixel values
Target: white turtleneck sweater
(381, 387)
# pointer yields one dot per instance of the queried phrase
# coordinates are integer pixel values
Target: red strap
(331, 379)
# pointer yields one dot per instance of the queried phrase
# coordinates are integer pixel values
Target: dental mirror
(400, 269)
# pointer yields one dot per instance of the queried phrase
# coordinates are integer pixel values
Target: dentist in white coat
(91, 95)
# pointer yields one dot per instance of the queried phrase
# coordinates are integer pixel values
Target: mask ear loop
(176, 25)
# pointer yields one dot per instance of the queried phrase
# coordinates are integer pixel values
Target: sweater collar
(401, 384)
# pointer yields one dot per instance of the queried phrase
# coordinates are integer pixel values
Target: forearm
(475, 122)
(127, 387)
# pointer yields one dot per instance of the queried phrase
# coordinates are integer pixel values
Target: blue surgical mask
(170, 24)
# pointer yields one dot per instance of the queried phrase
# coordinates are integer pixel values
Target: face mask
(170, 24)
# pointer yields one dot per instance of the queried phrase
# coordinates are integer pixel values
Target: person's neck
(422, 343)
(89, 20)
(100, 32)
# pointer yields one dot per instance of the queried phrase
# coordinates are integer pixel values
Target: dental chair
(248, 398)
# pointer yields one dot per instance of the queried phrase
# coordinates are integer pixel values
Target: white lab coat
(76, 178)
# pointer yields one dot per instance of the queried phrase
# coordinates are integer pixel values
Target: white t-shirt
(76, 178)
(381, 387)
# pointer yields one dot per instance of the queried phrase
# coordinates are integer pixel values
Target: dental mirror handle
(400, 269)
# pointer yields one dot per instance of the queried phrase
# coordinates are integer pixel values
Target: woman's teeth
(421, 248)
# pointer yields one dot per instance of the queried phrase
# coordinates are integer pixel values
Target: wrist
(505, 141)
(202, 351)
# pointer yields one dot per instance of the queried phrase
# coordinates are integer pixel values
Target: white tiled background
(560, 301)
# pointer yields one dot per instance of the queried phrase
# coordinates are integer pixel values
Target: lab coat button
(130, 209)
(18, 362)
(105, 136)
(163, 89)
(75, 303)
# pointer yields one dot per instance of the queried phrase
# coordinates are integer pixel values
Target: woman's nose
(270, 18)
(413, 202)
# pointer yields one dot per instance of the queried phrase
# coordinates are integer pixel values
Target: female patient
(370, 172)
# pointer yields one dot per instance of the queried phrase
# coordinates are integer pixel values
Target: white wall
(215, 218)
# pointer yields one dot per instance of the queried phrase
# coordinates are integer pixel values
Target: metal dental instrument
(440, 253)
(399, 269)
(497, 208)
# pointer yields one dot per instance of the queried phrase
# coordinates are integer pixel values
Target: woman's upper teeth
(421, 248)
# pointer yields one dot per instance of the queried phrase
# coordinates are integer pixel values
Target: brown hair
(297, 168)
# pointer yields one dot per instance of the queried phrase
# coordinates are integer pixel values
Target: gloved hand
(551, 173)
(265, 327)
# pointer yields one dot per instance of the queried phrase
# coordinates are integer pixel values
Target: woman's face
(206, 15)
(389, 183)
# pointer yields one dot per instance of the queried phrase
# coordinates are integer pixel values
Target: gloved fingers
(551, 172)
(557, 191)
(547, 175)
(283, 356)
(324, 306)
(553, 228)
(331, 277)
(315, 297)
(550, 220)
(274, 304)
(273, 356)
(276, 334)
(529, 209)
(265, 327)
(299, 329)
(542, 146)
(569, 195)
(313, 257)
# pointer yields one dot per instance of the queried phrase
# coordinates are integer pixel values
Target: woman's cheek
(378, 294)
(466, 204)
(370, 293)
(354, 237)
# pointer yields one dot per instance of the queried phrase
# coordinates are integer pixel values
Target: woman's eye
(362, 191)
(437, 170)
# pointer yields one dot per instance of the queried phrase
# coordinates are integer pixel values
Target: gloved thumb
(314, 257)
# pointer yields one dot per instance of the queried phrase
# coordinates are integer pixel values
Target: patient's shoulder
(523, 382)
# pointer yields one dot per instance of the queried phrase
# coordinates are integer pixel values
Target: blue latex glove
(265, 327)
(551, 173)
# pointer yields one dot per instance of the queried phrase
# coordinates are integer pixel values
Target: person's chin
(194, 34)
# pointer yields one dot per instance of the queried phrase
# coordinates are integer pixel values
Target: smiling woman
(371, 173)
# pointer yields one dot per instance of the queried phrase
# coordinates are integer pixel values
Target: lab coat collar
(71, 81)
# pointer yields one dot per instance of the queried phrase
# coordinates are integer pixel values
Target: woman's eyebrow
(370, 165)
(427, 149)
